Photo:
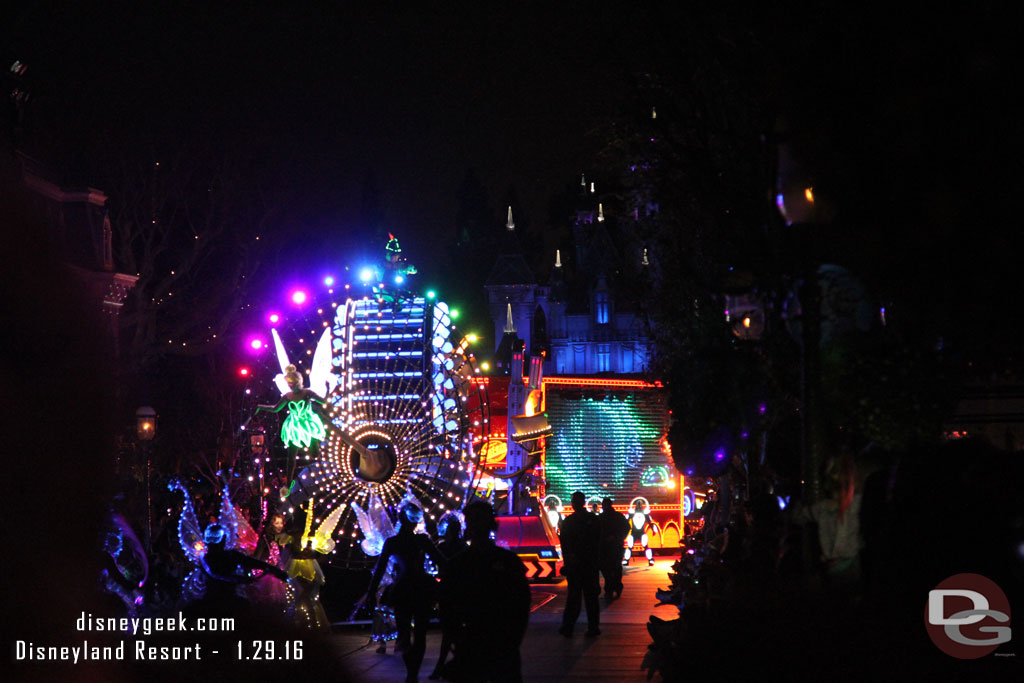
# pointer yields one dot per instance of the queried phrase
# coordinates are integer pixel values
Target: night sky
(910, 127)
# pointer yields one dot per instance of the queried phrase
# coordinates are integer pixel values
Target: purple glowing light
(274, 318)
(719, 456)
(256, 344)
(298, 297)
(762, 409)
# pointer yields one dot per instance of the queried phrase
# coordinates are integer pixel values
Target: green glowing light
(431, 294)
(454, 313)
(302, 425)
(606, 442)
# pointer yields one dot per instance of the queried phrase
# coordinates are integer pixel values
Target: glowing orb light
(366, 274)
(244, 372)
(399, 279)
(298, 297)
(329, 281)
(256, 344)
(274, 318)
(431, 294)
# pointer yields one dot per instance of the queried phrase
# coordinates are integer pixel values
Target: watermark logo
(967, 616)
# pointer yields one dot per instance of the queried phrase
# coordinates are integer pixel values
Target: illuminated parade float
(397, 410)
(390, 414)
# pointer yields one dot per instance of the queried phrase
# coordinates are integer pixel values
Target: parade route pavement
(615, 655)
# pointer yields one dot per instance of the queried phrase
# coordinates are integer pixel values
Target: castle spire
(558, 258)
(600, 213)
(510, 327)
(510, 224)
(583, 180)
(645, 262)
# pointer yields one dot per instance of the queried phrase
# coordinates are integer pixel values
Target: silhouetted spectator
(485, 592)
(614, 528)
(580, 535)
(450, 545)
(414, 590)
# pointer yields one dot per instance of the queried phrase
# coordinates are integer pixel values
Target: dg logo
(963, 616)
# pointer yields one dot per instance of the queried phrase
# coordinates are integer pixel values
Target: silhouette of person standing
(487, 597)
(451, 545)
(580, 535)
(414, 590)
(614, 529)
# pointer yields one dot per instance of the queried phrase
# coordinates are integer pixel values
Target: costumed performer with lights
(272, 549)
(414, 590)
(304, 568)
(639, 521)
(224, 570)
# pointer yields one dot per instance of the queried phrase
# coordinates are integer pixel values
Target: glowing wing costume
(375, 524)
(190, 535)
(241, 536)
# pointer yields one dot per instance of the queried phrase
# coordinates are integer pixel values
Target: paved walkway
(615, 655)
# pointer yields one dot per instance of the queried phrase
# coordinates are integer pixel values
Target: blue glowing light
(329, 281)
(366, 274)
(399, 279)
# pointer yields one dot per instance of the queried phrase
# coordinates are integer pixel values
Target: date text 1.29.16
(269, 650)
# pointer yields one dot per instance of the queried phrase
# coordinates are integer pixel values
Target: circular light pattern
(256, 344)
(403, 417)
(298, 297)
(274, 318)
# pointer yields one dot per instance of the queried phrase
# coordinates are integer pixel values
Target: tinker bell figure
(304, 427)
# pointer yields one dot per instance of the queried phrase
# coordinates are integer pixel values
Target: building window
(604, 353)
(601, 304)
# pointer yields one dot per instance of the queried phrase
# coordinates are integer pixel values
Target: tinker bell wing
(322, 542)
(282, 360)
(376, 525)
(321, 380)
(189, 534)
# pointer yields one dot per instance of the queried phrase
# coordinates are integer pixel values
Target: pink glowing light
(256, 344)
(298, 297)
(274, 318)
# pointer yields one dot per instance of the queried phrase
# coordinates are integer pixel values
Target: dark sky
(414, 94)
(910, 123)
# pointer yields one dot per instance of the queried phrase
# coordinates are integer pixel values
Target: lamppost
(145, 430)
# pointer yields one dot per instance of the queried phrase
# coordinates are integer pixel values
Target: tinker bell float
(391, 411)
(389, 416)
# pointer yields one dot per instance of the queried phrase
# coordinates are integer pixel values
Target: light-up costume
(270, 548)
(389, 288)
(639, 521)
(305, 572)
(220, 554)
(126, 568)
